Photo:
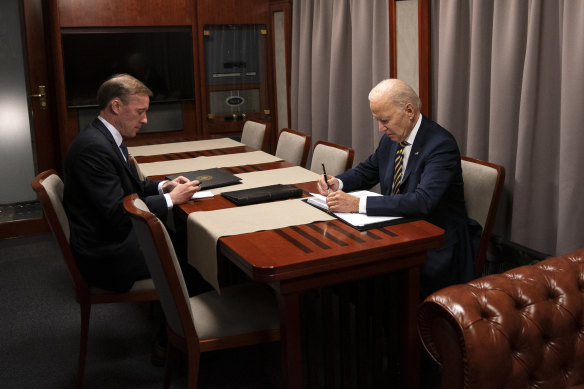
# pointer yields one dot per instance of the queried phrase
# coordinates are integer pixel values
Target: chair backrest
(255, 135)
(141, 175)
(336, 158)
(483, 184)
(163, 265)
(518, 329)
(293, 146)
(49, 189)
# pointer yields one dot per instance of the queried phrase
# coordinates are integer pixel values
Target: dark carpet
(40, 323)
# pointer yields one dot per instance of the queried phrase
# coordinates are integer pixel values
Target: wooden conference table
(306, 257)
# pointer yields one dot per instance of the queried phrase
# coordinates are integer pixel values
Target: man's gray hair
(396, 91)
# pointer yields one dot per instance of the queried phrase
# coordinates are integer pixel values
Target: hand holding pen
(325, 176)
(327, 184)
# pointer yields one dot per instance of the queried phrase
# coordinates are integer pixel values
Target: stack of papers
(359, 221)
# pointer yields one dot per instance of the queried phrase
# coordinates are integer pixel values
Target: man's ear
(116, 105)
(410, 111)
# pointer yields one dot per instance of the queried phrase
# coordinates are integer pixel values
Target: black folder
(209, 178)
(262, 194)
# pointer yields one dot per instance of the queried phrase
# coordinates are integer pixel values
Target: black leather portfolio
(209, 178)
(262, 194)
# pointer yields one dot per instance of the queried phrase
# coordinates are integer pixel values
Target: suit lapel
(116, 150)
(131, 170)
(413, 160)
(416, 151)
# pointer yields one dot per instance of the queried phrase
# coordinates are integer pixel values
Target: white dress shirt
(118, 139)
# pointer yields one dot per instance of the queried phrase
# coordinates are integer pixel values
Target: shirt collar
(115, 133)
(410, 139)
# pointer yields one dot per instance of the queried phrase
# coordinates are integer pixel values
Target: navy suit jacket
(97, 179)
(432, 188)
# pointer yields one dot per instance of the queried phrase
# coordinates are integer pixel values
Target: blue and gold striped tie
(398, 167)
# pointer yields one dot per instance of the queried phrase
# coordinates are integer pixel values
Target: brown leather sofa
(520, 329)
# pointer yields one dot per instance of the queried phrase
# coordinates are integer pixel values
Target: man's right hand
(333, 185)
(182, 193)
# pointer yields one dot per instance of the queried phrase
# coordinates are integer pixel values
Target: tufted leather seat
(520, 329)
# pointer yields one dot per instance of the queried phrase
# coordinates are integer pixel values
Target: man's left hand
(340, 201)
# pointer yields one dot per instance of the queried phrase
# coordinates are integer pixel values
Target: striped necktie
(398, 167)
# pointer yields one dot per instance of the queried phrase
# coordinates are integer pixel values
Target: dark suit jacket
(97, 179)
(432, 188)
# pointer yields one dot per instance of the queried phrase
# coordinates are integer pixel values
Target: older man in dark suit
(98, 175)
(417, 165)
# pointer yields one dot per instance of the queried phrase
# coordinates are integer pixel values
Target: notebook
(209, 178)
(359, 221)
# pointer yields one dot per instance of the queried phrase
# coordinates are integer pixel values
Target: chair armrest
(514, 329)
(442, 338)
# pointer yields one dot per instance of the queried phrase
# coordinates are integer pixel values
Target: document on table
(202, 194)
(360, 221)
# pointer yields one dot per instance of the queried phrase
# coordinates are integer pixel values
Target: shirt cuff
(340, 184)
(166, 195)
(168, 200)
(160, 190)
(363, 204)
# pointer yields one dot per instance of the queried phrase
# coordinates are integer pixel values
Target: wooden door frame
(38, 68)
(42, 119)
(424, 57)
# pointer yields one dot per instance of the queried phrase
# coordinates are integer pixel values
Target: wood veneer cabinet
(195, 15)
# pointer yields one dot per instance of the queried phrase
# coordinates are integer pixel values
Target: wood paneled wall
(125, 13)
(232, 12)
(155, 13)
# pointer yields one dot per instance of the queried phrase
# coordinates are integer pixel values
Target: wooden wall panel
(232, 12)
(39, 65)
(132, 13)
(105, 13)
(424, 47)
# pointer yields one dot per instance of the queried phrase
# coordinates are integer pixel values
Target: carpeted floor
(39, 327)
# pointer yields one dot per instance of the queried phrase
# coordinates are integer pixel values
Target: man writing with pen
(417, 164)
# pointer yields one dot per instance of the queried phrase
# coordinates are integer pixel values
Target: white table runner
(178, 147)
(186, 165)
(204, 228)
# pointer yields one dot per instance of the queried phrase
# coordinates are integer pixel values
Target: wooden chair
(141, 175)
(483, 184)
(336, 158)
(49, 188)
(255, 134)
(293, 146)
(242, 315)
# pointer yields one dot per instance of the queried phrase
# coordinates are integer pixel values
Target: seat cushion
(141, 285)
(239, 309)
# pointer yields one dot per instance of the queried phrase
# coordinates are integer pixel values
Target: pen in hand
(325, 176)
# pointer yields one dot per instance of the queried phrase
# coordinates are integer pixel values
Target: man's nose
(380, 127)
(144, 120)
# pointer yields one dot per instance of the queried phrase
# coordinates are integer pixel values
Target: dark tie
(398, 167)
(124, 149)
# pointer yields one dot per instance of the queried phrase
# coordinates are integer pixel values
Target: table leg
(290, 340)
(411, 344)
